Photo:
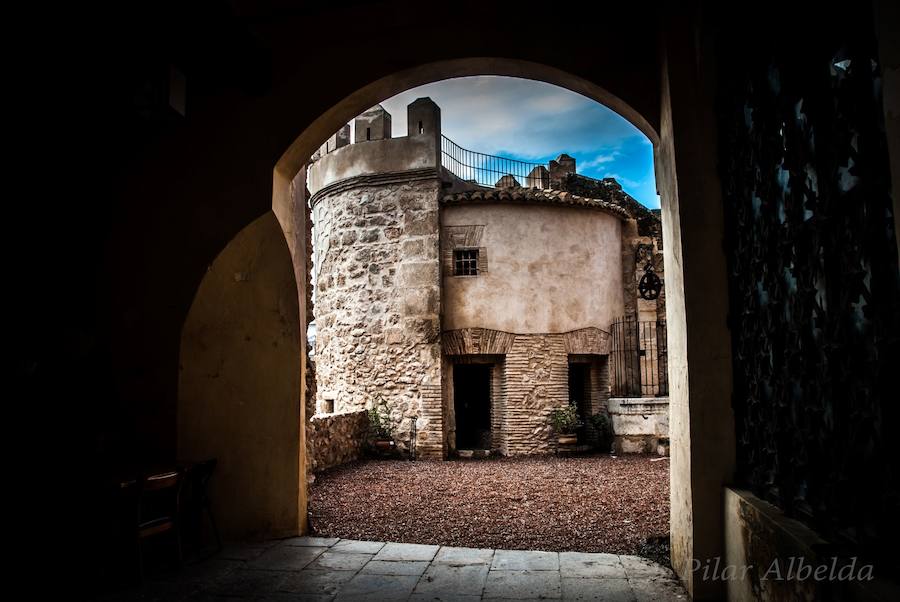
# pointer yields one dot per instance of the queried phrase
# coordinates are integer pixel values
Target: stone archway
(696, 514)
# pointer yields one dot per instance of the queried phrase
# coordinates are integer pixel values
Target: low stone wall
(337, 438)
(769, 556)
(639, 424)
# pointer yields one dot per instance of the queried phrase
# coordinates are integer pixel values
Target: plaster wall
(701, 420)
(232, 405)
(551, 270)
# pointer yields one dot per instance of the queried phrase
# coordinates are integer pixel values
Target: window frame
(474, 261)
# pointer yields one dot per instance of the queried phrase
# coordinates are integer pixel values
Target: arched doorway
(687, 489)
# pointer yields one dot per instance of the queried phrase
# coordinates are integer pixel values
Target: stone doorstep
(473, 453)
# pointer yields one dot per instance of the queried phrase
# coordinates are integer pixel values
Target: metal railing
(488, 170)
(639, 365)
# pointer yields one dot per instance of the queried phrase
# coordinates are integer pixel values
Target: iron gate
(639, 358)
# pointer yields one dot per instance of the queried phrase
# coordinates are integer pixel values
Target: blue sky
(536, 122)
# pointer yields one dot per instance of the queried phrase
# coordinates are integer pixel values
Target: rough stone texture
(336, 439)
(386, 287)
(378, 305)
(299, 196)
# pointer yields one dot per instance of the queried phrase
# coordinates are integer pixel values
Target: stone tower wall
(378, 304)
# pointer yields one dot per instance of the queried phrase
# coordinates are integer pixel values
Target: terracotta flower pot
(383, 444)
(568, 440)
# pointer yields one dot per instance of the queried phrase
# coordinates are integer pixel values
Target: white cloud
(600, 160)
(531, 119)
(535, 121)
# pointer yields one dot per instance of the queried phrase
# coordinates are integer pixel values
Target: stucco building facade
(468, 303)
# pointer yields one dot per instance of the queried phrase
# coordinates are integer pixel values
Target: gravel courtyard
(583, 504)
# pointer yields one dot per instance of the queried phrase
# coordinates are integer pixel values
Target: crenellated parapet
(374, 152)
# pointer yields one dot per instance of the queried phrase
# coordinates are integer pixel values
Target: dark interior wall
(160, 195)
(137, 200)
(813, 271)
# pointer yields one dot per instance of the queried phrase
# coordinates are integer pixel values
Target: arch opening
(289, 180)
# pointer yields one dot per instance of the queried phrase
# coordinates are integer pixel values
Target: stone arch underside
(239, 387)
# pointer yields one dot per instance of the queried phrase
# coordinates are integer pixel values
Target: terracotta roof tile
(533, 195)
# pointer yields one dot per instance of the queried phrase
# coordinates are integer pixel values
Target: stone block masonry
(336, 439)
(378, 305)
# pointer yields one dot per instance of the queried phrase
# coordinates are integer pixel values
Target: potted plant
(380, 431)
(565, 422)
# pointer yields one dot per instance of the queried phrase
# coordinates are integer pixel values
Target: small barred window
(465, 262)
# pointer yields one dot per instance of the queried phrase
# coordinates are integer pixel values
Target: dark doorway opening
(472, 403)
(579, 395)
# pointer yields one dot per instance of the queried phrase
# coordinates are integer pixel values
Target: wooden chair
(197, 504)
(158, 511)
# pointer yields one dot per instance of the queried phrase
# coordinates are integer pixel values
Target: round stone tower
(376, 275)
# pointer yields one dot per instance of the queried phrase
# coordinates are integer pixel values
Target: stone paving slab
(286, 558)
(442, 598)
(247, 582)
(657, 590)
(368, 587)
(596, 588)
(463, 556)
(406, 551)
(249, 551)
(308, 541)
(357, 547)
(282, 597)
(340, 561)
(522, 585)
(520, 560)
(396, 567)
(304, 569)
(637, 567)
(445, 579)
(577, 564)
(309, 581)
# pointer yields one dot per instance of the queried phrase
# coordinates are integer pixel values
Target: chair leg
(215, 527)
(140, 559)
(178, 550)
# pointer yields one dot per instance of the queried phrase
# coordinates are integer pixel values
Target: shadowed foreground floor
(313, 568)
(584, 504)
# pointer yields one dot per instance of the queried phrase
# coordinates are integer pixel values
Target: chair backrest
(159, 496)
(161, 481)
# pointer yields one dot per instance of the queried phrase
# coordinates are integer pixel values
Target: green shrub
(380, 424)
(565, 420)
